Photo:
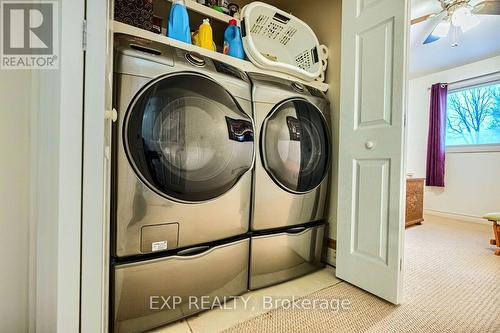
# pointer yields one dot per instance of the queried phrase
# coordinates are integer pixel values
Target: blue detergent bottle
(233, 45)
(178, 22)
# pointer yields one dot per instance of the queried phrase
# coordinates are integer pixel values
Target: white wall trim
(96, 168)
(475, 82)
(455, 216)
(481, 148)
(70, 167)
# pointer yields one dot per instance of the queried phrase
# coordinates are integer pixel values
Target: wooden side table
(414, 201)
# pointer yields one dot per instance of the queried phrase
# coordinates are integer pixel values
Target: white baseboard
(460, 217)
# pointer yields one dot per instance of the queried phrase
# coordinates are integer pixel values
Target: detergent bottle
(205, 36)
(233, 45)
(178, 22)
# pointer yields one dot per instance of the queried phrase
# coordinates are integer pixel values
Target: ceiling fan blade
(425, 17)
(487, 8)
(441, 29)
(421, 19)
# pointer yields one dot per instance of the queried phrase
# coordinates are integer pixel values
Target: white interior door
(371, 169)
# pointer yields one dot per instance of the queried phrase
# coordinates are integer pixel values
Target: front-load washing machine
(183, 149)
(184, 146)
(291, 179)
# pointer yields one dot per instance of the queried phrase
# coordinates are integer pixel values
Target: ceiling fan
(457, 14)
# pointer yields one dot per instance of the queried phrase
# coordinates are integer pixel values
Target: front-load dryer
(293, 153)
(183, 149)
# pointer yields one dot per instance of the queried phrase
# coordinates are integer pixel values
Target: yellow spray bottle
(205, 37)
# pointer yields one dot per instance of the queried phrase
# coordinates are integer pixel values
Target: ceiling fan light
(460, 16)
(442, 29)
(469, 23)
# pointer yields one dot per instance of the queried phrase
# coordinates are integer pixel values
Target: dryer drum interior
(295, 146)
(187, 138)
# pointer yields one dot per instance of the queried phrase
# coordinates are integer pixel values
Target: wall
(40, 188)
(472, 180)
(28, 206)
(15, 113)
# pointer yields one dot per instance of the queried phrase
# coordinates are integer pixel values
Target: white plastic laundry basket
(279, 41)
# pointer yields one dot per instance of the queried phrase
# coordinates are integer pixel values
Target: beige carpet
(452, 284)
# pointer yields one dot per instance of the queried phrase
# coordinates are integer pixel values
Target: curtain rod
(470, 79)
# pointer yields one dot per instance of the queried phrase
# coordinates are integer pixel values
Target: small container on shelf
(178, 22)
(157, 23)
(234, 10)
(224, 5)
(204, 36)
(138, 13)
(233, 44)
(220, 6)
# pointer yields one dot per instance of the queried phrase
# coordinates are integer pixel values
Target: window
(473, 116)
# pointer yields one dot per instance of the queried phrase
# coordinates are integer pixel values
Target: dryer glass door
(295, 146)
(187, 138)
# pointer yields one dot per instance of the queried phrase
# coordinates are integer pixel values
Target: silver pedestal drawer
(283, 256)
(152, 293)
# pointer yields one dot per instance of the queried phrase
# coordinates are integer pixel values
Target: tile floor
(218, 319)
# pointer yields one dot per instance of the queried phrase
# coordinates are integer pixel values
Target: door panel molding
(368, 87)
(371, 195)
(361, 5)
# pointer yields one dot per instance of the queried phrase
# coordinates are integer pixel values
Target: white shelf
(207, 11)
(247, 66)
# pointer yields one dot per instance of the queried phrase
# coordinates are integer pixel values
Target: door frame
(98, 115)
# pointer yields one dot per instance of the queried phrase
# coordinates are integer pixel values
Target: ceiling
(479, 43)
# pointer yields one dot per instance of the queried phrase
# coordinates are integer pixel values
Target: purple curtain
(437, 135)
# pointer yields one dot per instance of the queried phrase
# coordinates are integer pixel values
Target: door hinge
(84, 35)
(111, 115)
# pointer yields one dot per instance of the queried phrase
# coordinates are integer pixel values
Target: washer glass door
(187, 138)
(295, 146)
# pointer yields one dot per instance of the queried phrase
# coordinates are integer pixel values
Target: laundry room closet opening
(196, 182)
(324, 18)
(216, 160)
